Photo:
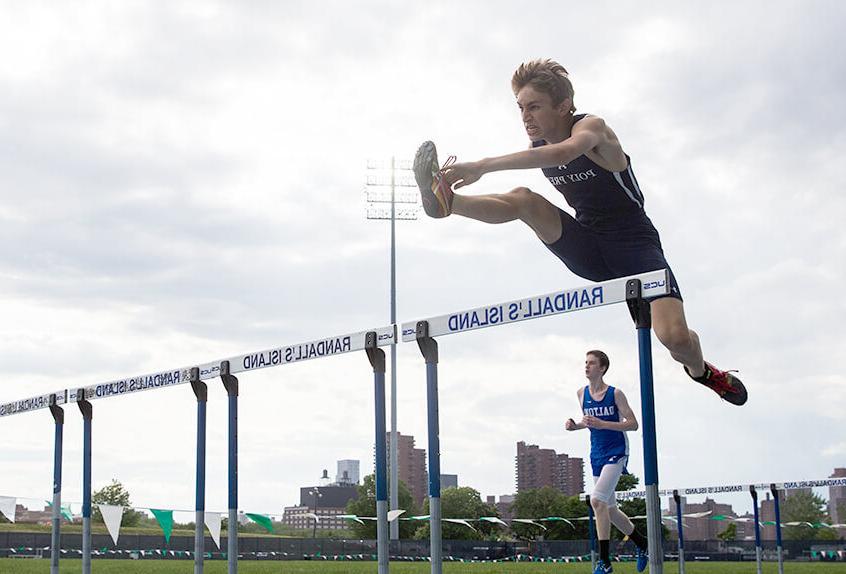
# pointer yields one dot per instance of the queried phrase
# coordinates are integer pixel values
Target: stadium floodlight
(391, 194)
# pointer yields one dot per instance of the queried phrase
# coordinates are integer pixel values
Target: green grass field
(27, 566)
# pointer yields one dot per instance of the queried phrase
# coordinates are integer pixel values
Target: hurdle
(369, 341)
(752, 489)
(634, 291)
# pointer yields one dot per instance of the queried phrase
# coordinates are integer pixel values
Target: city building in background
(538, 467)
(348, 472)
(411, 466)
(449, 481)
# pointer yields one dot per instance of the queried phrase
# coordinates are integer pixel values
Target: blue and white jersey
(602, 199)
(606, 446)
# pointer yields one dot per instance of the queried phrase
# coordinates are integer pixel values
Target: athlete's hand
(592, 422)
(570, 424)
(460, 174)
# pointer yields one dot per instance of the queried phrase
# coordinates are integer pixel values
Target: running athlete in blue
(610, 235)
(606, 412)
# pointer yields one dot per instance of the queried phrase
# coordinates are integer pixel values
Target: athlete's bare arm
(591, 137)
(570, 424)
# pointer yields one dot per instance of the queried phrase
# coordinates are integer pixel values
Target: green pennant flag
(65, 511)
(165, 520)
(262, 520)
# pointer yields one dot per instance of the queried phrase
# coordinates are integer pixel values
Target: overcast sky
(182, 182)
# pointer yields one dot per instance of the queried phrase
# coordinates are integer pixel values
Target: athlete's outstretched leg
(521, 203)
(670, 326)
(439, 200)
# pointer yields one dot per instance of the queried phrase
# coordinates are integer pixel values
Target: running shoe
(602, 568)
(724, 383)
(642, 558)
(434, 189)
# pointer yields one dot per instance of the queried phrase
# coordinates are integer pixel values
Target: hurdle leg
(87, 415)
(377, 360)
(230, 383)
(754, 494)
(55, 538)
(678, 501)
(641, 314)
(429, 349)
(779, 547)
(201, 392)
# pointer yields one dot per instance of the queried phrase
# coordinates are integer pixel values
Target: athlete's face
(593, 370)
(541, 119)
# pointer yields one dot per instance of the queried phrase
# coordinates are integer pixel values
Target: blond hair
(545, 76)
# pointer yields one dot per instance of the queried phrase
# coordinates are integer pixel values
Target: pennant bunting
(213, 521)
(65, 511)
(165, 520)
(262, 520)
(351, 517)
(494, 520)
(558, 519)
(112, 516)
(8, 505)
(460, 521)
(394, 514)
(528, 521)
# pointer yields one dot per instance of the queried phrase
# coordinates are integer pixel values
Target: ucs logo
(654, 284)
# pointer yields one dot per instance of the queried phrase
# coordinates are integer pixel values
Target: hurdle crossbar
(730, 488)
(34, 403)
(654, 284)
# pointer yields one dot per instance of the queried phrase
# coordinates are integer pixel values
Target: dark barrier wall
(268, 548)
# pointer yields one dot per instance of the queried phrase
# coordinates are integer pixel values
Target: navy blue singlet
(601, 198)
(611, 235)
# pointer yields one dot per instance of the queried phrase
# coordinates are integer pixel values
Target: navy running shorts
(600, 255)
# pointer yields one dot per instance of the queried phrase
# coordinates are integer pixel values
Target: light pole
(315, 492)
(383, 179)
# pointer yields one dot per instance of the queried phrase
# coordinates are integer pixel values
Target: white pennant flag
(8, 506)
(394, 514)
(112, 516)
(213, 520)
(460, 521)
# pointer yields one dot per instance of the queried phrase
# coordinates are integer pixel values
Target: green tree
(627, 482)
(365, 505)
(462, 502)
(804, 506)
(546, 502)
(633, 507)
(730, 533)
(116, 495)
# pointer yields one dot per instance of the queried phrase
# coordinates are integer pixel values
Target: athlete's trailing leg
(670, 326)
